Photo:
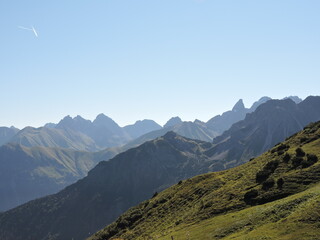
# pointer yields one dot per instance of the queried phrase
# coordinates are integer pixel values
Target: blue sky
(153, 59)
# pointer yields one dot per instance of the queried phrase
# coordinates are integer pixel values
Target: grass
(294, 217)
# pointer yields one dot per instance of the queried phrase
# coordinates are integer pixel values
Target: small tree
(296, 161)
(250, 195)
(300, 152)
(269, 183)
(311, 159)
(286, 158)
(280, 183)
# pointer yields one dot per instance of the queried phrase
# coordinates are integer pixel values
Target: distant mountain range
(84, 135)
(201, 130)
(29, 173)
(54, 137)
(78, 134)
(137, 174)
(223, 122)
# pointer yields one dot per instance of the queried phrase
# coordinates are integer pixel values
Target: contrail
(30, 29)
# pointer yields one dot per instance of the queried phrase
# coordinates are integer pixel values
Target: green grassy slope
(229, 204)
(295, 217)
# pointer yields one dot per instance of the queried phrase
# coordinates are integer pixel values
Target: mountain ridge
(237, 203)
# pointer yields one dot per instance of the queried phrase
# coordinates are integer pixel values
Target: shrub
(286, 158)
(280, 152)
(250, 195)
(300, 152)
(267, 171)
(311, 159)
(303, 139)
(272, 165)
(280, 183)
(282, 147)
(269, 183)
(296, 161)
(262, 175)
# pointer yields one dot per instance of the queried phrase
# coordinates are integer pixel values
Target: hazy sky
(153, 59)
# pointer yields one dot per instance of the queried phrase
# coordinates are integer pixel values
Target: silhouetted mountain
(6, 134)
(173, 121)
(29, 173)
(53, 137)
(141, 127)
(225, 205)
(271, 123)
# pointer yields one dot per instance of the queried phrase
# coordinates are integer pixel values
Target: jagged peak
(173, 121)
(238, 106)
(78, 117)
(102, 117)
(68, 117)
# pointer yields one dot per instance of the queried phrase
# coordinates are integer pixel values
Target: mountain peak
(238, 106)
(259, 102)
(173, 121)
(296, 99)
(170, 135)
(102, 119)
(141, 127)
(78, 117)
(101, 116)
(67, 118)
